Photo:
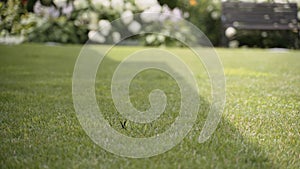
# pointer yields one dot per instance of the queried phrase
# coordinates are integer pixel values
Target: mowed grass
(260, 126)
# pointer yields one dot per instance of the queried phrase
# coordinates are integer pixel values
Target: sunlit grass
(39, 129)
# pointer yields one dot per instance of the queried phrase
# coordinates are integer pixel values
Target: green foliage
(59, 30)
(10, 12)
(267, 39)
(17, 19)
(171, 3)
(72, 21)
(205, 15)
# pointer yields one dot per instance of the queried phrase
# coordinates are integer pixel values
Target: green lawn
(260, 127)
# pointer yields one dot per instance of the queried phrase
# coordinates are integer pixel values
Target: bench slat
(263, 16)
(260, 16)
(263, 27)
(240, 5)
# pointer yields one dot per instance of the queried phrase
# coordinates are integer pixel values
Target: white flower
(134, 27)
(116, 37)
(60, 3)
(230, 32)
(144, 4)
(233, 44)
(179, 36)
(161, 38)
(104, 26)
(129, 6)
(166, 9)
(80, 4)
(264, 34)
(176, 15)
(31, 18)
(117, 5)
(155, 8)
(98, 4)
(12, 40)
(93, 20)
(96, 37)
(186, 15)
(209, 8)
(127, 17)
(150, 39)
(67, 9)
(45, 11)
(151, 14)
(166, 13)
(41, 21)
(85, 16)
(146, 17)
(215, 15)
(38, 7)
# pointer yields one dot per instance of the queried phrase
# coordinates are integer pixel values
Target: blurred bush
(12, 29)
(76, 21)
(266, 39)
(205, 14)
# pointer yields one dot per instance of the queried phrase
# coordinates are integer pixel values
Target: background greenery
(17, 19)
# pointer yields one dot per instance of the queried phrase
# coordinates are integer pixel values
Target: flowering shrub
(75, 21)
(205, 14)
(12, 27)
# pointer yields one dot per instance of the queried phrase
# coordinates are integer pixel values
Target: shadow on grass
(39, 128)
(227, 148)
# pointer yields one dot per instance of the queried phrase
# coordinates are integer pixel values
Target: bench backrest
(260, 16)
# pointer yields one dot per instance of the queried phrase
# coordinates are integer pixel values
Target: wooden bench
(260, 16)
